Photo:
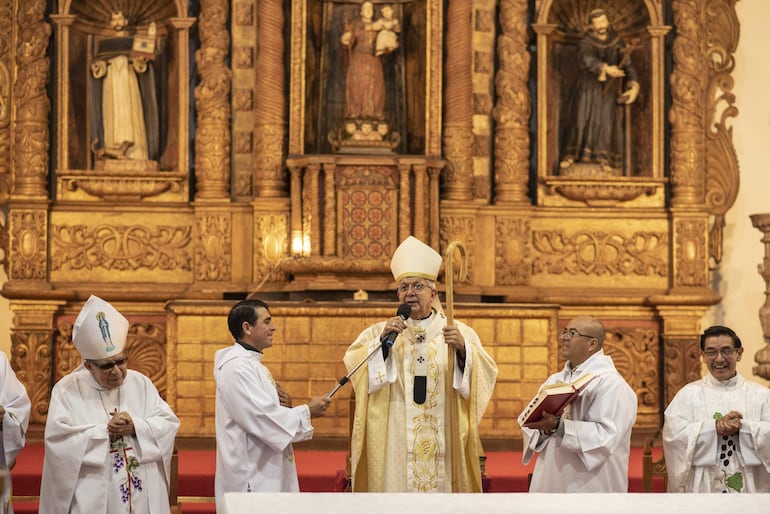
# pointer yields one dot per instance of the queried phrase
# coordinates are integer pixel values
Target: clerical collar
(424, 322)
(248, 347)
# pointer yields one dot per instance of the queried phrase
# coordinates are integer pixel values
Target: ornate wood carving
(722, 29)
(120, 247)
(28, 234)
(688, 105)
(513, 263)
(636, 353)
(31, 101)
(213, 253)
(458, 124)
(600, 253)
(690, 247)
(6, 100)
(212, 138)
(512, 111)
(269, 177)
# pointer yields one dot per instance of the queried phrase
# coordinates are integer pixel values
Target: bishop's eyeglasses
(418, 288)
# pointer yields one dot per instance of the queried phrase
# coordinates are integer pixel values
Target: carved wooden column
(512, 111)
(7, 23)
(762, 357)
(212, 138)
(687, 111)
(330, 210)
(269, 177)
(681, 347)
(31, 102)
(32, 338)
(458, 124)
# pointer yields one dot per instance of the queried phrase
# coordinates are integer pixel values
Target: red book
(554, 397)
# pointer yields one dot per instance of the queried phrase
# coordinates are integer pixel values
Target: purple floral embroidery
(123, 457)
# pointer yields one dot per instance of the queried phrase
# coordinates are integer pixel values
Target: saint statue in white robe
(700, 460)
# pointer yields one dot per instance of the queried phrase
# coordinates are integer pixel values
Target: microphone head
(404, 311)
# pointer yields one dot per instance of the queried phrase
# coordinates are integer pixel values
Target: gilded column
(269, 177)
(458, 91)
(32, 339)
(212, 137)
(688, 150)
(512, 111)
(404, 202)
(32, 106)
(6, 65)
(330, 210)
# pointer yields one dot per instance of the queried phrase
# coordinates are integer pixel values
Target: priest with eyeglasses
(716, 434)
(109, 436)
(585, 448)
(419, 401)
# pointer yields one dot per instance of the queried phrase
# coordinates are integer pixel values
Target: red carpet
(317, 473)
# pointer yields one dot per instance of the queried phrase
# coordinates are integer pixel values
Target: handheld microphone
(403, 312)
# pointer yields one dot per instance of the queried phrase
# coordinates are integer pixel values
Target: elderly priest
(109, 435)
(419, 402)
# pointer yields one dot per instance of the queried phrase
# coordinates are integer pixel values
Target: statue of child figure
(387, 27)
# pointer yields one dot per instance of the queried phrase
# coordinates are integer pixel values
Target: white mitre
(100, 330)
(413, 258)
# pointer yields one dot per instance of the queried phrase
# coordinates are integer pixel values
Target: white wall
(738, 281)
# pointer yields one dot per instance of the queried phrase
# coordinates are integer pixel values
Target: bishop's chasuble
(400, 445)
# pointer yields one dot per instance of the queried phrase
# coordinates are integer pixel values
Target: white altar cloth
(494, 503)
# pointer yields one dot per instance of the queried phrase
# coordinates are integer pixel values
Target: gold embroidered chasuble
(402, 446)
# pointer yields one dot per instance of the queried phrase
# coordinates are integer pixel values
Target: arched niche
(639, 179)
(143, 66)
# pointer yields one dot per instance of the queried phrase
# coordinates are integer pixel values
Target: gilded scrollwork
(146, 351)
(722, 178)
(6, 85)
(513, 110)
(27, 240)
(32, 105)
(636, 353)
(120, 247)
(513, 264)
(460, 228)
(687, 95)
(689, 251)
(31, 359)
(270, 244)
(600, 253)
(213, 253)
(212, 140)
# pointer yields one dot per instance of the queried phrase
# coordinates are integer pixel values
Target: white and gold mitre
(100, 330)
(413, 258)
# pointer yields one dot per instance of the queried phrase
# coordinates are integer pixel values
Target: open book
(554, 397)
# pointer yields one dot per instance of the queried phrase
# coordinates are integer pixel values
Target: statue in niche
(594, 137)
(366, 40)
(124, 107)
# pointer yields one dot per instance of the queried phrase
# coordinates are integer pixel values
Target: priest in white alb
(14, 418)
(109, 436)
(586, 448)
(418, 403)
(716, 434)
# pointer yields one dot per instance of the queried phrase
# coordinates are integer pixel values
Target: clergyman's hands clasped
(318, 406)
(121, 424)
(730, 423)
